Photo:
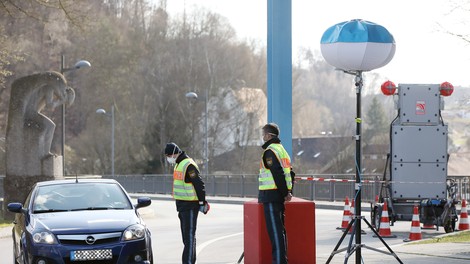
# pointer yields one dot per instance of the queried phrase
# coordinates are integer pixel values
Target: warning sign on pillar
(420, 107)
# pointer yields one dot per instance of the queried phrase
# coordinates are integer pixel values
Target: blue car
(80, 221)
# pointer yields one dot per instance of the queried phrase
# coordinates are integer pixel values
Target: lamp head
(191, 95)
(101, 111)
(82, 64)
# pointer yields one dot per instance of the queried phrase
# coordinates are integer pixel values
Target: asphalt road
(220, 235)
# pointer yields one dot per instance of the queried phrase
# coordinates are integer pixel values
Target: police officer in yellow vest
(190, 196)
(275, 188)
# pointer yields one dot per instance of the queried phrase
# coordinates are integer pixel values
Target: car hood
(85, 221)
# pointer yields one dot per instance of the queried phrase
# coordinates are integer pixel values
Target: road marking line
(207, 243)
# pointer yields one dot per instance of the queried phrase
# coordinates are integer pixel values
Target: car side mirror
(143, 202)
(15, 207)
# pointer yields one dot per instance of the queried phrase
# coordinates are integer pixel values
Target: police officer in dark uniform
(275, 188)
(190, 196)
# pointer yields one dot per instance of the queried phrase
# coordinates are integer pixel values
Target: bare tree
(322, 97)
(74, 11)
(457, 9)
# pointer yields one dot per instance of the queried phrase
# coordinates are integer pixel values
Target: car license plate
(95, 254)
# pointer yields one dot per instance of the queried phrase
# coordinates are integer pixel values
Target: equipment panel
(419, 180)
(419, 143)
(419, 103)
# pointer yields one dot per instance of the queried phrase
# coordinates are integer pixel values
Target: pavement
(415, 252)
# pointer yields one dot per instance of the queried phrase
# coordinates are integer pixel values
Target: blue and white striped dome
(357, 45)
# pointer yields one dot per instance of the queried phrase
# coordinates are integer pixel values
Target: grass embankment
(5, 223)
(458, 237)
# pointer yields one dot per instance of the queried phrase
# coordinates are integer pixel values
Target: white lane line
(207, 243)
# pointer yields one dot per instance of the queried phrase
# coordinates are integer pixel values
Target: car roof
(74, 181)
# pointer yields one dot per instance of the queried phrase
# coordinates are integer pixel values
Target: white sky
(424, 54)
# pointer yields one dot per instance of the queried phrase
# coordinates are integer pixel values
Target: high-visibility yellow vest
(266, 179)
(181, 189)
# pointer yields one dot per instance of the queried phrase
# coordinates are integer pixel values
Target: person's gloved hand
(204, 207)
(288, 198)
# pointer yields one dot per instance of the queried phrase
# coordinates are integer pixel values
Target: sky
(425, 53)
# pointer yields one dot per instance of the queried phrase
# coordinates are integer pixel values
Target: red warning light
(446, 88)
(388, 88)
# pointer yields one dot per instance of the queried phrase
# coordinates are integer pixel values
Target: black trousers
(274, 215)
(188, 223)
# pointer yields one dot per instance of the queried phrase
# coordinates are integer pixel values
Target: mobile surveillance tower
(418, 158)
(356, 46)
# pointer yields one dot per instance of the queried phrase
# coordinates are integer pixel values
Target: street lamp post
(78, 65)
(194, 95)
(103, 112)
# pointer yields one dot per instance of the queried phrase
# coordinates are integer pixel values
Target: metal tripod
(356, 222)
(357, 247)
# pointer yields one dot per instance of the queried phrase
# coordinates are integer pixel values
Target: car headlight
(133, 232)
(44, 238)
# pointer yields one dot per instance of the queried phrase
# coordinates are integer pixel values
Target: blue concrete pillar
(279, 58)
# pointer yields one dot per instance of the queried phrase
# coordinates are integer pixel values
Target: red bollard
(300, 229)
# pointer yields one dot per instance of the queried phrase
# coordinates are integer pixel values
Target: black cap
(272, 129)
(171, 149)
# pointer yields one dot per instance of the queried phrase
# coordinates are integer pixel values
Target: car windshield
(80, 196)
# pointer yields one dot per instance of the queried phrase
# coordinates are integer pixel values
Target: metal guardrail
(329, 188)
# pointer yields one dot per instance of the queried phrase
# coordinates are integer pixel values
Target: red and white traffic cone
(463, 223)
(415, 232)
(384, 230)
(428, 226)
(352, 213)
(346, 215)
(352, 209)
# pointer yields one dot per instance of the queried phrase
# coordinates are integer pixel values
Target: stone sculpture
(29, 132)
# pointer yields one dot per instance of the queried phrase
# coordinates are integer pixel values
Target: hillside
(457, 115)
